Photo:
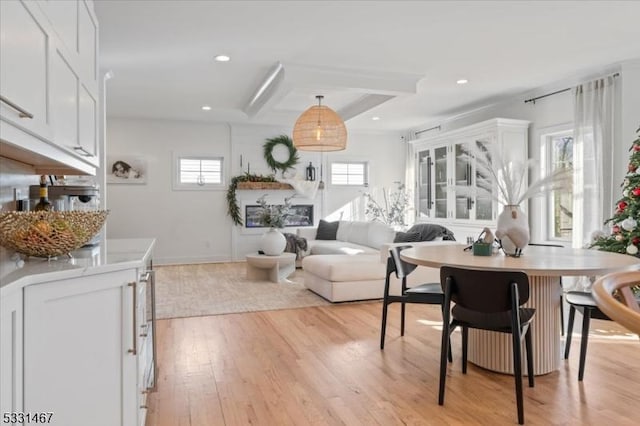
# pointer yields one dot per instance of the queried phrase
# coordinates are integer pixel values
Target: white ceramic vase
(273, 242)
(513, 230)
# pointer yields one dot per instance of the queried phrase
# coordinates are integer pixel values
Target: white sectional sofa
(353, 266)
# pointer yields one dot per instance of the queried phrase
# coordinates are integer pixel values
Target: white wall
(193, 226)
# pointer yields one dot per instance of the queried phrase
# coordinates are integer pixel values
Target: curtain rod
(555, 93)
(426, 130)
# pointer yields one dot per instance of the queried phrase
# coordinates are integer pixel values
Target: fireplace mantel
(263, 185)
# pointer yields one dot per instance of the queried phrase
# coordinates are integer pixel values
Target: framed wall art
(126, 169)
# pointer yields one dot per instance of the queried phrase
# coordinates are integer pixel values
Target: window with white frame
(560, 203)
(354, 173)
(196, 172)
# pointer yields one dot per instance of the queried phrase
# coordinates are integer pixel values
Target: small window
(351, 173)
(198, 172)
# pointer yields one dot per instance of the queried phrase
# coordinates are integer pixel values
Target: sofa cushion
(379, 234)
(359, 233)
(338, 247)
(345, 268)
(327, 230)
(344, 229)
(406, 237)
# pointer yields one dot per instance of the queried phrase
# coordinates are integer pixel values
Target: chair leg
(443, 363)
(517, 372)
(584, 341)
(449, 354)
(567, 345)
(529, 348)
(465, 346)
(402, 310)
(383, 328)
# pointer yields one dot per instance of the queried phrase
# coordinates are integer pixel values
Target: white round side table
(272, 268)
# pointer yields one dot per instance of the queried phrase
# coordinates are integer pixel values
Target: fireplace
(300, 215)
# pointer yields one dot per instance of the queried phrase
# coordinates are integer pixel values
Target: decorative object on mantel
(233, 209)
(392, 209)
(625, 226)
(274, 164)
(49, 233)
(272, 242)
(310, 172)
(510, 180)
(319, 128)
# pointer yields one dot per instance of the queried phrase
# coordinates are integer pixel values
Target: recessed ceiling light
(375, 118)
(462, 81)
(206, 108)
(222, 58)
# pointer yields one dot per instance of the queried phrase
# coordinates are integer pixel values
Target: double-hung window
(559, 148)
(198, 173)
(351, 173)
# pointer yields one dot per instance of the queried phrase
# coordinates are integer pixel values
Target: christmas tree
(625, 229)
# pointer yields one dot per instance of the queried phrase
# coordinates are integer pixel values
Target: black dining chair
(487, 300)
(561, 286)
(584, 302)
(428, 293)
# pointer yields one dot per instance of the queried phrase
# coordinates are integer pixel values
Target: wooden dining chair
(487, 300)
(626, 310)
(428, 293)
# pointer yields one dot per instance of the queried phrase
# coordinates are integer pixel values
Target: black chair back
(484, 291)
(397, 265)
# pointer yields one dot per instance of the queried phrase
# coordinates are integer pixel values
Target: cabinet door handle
(80, 150)
(23, 113)
(154, 331)
(134, 351)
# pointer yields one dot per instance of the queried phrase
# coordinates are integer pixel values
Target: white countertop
(110, 255)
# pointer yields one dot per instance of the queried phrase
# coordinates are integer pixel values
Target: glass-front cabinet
(452, 187)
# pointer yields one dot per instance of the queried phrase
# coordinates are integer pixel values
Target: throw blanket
(295, 244)
(430, 231)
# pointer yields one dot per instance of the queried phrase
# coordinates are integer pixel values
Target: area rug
(222, 288)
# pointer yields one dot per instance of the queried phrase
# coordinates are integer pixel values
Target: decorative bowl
(46, 233)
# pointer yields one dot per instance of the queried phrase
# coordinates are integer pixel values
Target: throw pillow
(327, 230)
(407, 237)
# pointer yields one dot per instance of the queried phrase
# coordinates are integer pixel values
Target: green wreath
(280, 165)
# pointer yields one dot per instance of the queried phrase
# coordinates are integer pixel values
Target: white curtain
(593, 144)
(410, 180)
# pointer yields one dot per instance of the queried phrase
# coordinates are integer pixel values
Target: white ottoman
(340, 278)
(273, 268)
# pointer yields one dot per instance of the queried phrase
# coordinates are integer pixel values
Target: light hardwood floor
(323, 366)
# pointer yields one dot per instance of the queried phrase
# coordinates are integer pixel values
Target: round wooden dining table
(544, 266)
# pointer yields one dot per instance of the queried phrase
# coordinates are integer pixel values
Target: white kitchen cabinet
(24, 67)
(87, 349)
(11, 352)
(49, 60)
(443, 163)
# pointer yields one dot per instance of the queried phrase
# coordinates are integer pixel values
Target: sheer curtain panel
(593, 145)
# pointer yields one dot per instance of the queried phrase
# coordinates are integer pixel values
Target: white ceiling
(398, 60)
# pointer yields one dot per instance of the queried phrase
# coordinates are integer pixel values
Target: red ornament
(636, 240)
(622, 205)
(636, 192)
(636, 148)
(615, 229)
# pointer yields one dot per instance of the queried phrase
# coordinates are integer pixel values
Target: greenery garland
(233, 209)
(268, 153)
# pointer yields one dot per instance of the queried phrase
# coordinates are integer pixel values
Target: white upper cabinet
(63, 15)
(49, 60)
(24, 67)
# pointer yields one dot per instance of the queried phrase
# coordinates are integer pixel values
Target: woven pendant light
(319, 129)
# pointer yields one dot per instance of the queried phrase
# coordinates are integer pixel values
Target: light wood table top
(535, 260)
